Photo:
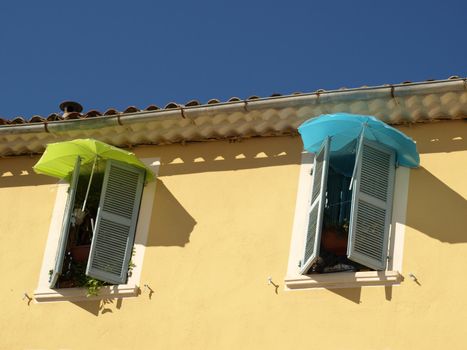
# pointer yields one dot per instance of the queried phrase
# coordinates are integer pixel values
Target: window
(349, 219)
(119, 218)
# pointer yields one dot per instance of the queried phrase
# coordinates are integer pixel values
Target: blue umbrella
(345, 128)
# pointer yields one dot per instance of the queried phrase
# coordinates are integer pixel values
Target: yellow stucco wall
(221, 225)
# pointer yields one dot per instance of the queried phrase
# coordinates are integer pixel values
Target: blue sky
(119, 53)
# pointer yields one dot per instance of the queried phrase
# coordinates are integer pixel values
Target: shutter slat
(113, 238)
(316, 210)
(63, 240)
(371, 206)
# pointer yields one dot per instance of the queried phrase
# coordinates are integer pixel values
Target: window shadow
(91, 306)
(435, 209)
(388, 293)
(351, 294)
(171, 224)
(99, 307)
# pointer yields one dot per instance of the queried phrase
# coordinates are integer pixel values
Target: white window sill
(343, 280)
(79, 294)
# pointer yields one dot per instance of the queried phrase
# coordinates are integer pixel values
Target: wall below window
(221, 225)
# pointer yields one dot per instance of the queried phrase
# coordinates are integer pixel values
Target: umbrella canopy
(344, 128)
(59, 158)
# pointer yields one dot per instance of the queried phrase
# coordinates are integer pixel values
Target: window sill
(343, 280)
(79, 294)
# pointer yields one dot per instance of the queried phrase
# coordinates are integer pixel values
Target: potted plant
(335, 237)
(82, 236)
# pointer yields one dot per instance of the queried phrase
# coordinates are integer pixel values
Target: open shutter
(371, 206)
(63, 240)
(316, 211)
(113, 237)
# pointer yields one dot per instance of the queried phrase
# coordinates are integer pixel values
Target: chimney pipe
(69, 107)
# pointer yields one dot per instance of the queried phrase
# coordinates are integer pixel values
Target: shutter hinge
(299, 263)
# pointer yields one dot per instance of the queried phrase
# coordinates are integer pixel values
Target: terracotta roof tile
(36, 119)
(93, 113)
(152, 108)
(419, 102)
(131, 109)
(72, 116)
(192, 103)
(171, 105)
(111, 111)
(54, 117)
(18, 120)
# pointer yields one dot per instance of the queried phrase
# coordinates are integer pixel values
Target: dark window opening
(336, 219)
(81, 227)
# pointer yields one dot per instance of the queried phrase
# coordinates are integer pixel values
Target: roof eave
(394, 104)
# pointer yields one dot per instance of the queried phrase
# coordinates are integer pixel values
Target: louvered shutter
(63, 240)
(371, 206)
(316, 211)
(113, 237)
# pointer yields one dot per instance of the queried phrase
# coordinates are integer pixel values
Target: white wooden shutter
(63, 240)
(371, 206)
(113, 237)
(316, 211)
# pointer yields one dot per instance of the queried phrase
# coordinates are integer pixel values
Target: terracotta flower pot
(80, 253)
(334, 241)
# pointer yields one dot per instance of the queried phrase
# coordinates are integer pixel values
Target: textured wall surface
(221, 225)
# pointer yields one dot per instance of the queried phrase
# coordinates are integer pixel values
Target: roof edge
(278, 115)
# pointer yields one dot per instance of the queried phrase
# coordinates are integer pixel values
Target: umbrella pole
(89, 184)
(357, 157)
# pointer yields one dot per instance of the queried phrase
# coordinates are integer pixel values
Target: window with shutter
(122, 213)
(317, 201)
(113, 236)
(361, 217)
(62, 243)
(371, 206)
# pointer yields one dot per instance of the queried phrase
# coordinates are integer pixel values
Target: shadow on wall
(435, 209)
(194, 157)
(203, 157)
(172, 223)
(441, 136)
(351, 294)
(228, 155)
(17, 171)
(100, 307)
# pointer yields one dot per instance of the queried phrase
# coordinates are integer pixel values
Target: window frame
(44, 293)
(391, 276)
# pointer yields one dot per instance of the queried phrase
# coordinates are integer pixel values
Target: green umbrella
(59, 158)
